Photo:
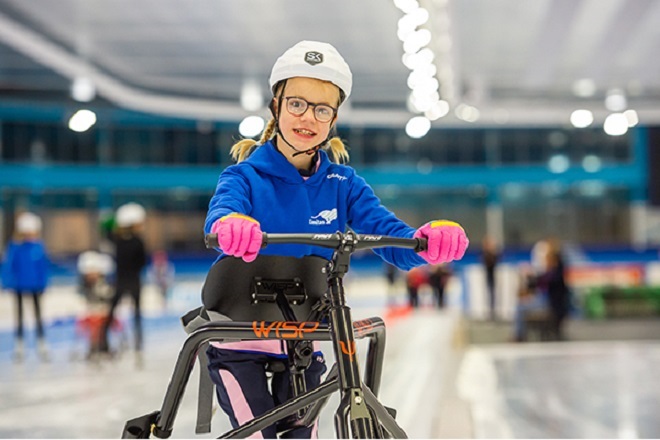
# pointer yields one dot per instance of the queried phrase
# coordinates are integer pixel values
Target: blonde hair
(242, 149)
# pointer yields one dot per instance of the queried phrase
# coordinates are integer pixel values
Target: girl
(292, 181)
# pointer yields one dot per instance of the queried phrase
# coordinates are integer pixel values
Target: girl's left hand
(446, 240)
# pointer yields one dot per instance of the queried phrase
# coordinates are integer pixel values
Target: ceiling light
(615, 100)
(406, 5)
(558, 163)
(417, 127)
(616, 124)
(251, 126)
(82, 89)
(582, 118)
(631, 117)
(82, 120)
(591, 163)
(584, 87)
(251, 97)
(466, 113)
(437, 110)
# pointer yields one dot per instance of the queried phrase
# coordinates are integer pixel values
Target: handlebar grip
(211, 241)
(422, 245)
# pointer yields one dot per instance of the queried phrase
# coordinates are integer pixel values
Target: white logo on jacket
(324, 217)
(336, 176)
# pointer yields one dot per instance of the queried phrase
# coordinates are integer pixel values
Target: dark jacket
(131, 258)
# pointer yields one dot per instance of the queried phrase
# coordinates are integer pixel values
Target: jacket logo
(313, 58)
(324, 217)
(336, 176)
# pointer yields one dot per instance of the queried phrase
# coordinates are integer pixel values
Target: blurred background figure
(25, 273)
(532, 304)
(538, 255)
(130, 258)
(94, 268)
(438, 277)
(553, 282)
(490, 256)
(415, 278)
(391, 275)
(545, 295)
(161, 273)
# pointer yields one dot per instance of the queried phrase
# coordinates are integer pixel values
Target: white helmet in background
(28, 223)
(95, 262)
(130, 214)
(313, 59)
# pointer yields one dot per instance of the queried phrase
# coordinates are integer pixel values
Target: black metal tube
(315, 408)
(342, 337)
(383, 416)
(374, 329)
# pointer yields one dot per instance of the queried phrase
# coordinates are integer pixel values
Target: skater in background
(438, 277)
(25, 273)
(130, 260)
(161, 273)
(94, 269)
(391, 275)
(490, 256)
(415, 279)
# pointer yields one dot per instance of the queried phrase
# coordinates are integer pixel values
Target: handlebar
(334, 241)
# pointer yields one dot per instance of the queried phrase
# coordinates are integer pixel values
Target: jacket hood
(267, 160)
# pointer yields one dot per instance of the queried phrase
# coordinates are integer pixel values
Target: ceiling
(516, 61)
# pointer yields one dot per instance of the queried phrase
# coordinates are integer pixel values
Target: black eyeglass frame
(308, 105)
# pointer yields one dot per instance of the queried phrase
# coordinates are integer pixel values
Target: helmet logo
(313, 58)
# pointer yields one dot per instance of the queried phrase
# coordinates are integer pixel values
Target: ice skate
(19, 351)
(43, 351)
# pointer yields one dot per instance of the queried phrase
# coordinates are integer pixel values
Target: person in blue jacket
(294, 180)
(25, 272)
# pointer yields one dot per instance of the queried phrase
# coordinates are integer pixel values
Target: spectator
(553, 281)
(490, 256)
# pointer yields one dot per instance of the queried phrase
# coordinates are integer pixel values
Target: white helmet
(130, 214)
(28, 223)
(313, 59)
(95, 262)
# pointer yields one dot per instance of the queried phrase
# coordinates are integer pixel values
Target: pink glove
(238, 235)
(446, 241)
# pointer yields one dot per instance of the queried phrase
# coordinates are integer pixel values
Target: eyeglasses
(298, 106)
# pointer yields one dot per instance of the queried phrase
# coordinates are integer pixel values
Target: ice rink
(441, 386)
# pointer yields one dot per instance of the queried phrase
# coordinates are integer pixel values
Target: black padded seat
(229, 284)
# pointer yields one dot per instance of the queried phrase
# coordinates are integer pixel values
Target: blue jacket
(25, 267)
(267, 187)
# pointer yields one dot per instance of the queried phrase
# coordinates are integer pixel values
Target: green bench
(622, 302)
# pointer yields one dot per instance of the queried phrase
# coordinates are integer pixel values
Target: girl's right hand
(239, 235)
